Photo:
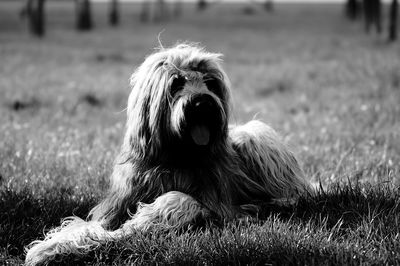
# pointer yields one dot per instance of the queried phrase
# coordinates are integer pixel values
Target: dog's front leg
(74, 236)
(172, 210)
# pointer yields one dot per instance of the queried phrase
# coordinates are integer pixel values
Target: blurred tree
(145, 13)
(393, 21)
(178, 8)
(161, 11)
(269, 5)
(114, 13)
(201, 5)
(353, 9)
(372, 14)
(154, 11)
(36, 17)
(23, 12)
(83, 15)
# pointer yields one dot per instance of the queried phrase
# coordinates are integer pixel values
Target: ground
(329, 89)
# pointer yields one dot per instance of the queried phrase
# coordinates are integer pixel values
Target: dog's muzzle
(204, 119)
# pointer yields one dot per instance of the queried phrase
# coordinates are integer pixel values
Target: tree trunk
(269, 5)
(177, 8)
(201, 5)
(352, 9)
(161, 11)
(83, 15)
(154, 11)
(114, 13)
(145, 13)
(36, 17)
(372, 14)
(393, 21)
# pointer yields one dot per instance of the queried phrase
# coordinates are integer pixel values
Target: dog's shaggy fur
(180, 161)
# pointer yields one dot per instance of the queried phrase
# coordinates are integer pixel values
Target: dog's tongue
(200, 134)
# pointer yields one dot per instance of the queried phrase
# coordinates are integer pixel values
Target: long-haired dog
(180, 160)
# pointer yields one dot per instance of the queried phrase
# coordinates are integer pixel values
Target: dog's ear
(146, 112)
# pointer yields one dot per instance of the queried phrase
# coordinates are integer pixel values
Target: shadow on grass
(25, 216)
(340, 226)
(349, 203)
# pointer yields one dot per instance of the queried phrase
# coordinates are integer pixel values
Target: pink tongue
(200, 134)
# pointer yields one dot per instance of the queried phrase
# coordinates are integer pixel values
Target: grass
(330, 90)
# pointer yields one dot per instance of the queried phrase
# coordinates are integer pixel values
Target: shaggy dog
(180, 160)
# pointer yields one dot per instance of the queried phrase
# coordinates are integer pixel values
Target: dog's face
(197, 116)
(180, 100)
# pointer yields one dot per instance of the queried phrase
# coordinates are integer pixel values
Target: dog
(181, 162)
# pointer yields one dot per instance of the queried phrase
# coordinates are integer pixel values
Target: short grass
(330, 90)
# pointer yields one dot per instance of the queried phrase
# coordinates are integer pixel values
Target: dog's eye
(177, 84)
(214, 86)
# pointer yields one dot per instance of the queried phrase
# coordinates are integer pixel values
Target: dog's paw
(38, 252)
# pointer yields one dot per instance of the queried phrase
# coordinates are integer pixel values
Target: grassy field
(330, 90)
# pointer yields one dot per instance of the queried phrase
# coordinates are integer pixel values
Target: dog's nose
(203, 101)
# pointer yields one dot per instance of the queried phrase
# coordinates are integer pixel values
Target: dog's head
(179, 102)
